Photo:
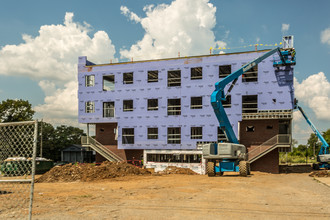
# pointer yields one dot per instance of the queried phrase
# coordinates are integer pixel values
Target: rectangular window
(224, 71)
(227, 103)
(128, 78)
(196, 102)
(196, 133)
(89, 80)
(152, 104)
(196, 73)
(128, 136)
(174, 135)
(89, 107)
(153, 76)
(127, 105)
(152, 133)
(249, 104)
(251, 75)
(175, 158)
(174, 107)
(221, 135)
(109, 83)
(174, 78)
(108, 109)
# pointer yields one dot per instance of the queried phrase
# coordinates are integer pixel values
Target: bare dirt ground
(175, 196)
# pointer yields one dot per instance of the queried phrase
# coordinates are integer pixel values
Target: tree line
(312, 147)
(53, 139)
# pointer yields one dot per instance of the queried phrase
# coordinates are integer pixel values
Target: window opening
(174, 107)
(153, 76)
(127, 105)
(250, 128)
(128, 136)
(152, 104)
(174, 135)
(109, 83)
(108, 109)
(227, 103)
(221, 135)
(224, 71)
(251, 75)
(196, 73)
(152, 133)
(89, 80)
(174, 158)
(250, 104)
(196, 133)
(89, 107)
(128, 78)
(174, 78)
(196, 102)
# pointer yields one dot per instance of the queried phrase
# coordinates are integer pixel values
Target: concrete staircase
(99, 148)
(281, 141)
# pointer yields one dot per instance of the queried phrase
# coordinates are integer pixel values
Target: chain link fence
(18, 142)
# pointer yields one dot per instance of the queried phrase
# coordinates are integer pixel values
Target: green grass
(295, 159)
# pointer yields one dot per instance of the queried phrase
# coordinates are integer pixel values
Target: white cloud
(325, 36)
(285, 28)
(62, 100)
(183, 26)
(315, 93)
(297, 117)
(51, 57)
(132, 16)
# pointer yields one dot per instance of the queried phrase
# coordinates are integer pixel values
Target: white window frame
(89, 107)
(195, 133)
(172, 137)
(108, 110)
(89, 80)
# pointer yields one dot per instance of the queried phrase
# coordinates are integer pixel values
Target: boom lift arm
(325, 146)
(231, 157)
(218, 96)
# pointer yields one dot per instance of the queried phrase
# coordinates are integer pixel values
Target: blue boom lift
(232, 157)
(323, 157)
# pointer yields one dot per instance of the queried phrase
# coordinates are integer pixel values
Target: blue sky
(129, 28)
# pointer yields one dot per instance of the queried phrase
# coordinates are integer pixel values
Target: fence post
(33, 166)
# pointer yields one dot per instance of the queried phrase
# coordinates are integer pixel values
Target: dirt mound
(90, 172)
(178, 170)
(320, 173)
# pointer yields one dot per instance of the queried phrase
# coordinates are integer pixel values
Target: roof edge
(174, 58)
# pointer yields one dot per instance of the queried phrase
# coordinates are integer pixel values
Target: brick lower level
(125, 154)
(268, 163)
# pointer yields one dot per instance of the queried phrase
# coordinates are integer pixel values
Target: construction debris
(320, 173)
(90, 172)
(177, 170)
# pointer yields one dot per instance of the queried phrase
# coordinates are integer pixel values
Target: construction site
(187, 137)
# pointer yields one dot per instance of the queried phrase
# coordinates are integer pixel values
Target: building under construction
(159, 111)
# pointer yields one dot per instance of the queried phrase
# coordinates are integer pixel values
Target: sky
(40, 42)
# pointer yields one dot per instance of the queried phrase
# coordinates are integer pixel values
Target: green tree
(56, 139)
(46, 139)
(326, 136)
(16, 110)
(313, 141)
